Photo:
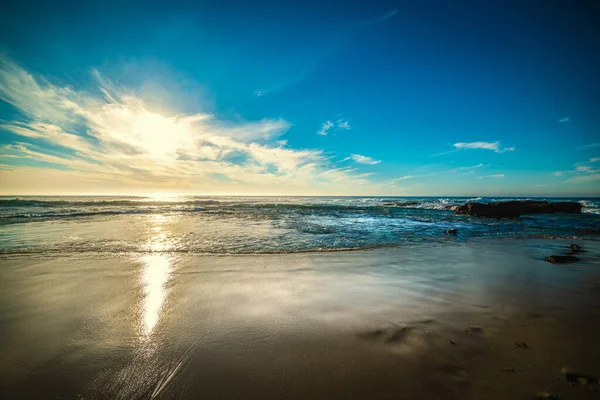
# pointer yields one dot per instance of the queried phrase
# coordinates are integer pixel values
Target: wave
(99, 203)
(9, 252)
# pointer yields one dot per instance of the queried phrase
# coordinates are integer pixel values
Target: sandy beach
(488, 319)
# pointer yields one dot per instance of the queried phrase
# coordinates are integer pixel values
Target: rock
(561, 259)
(516, 208)
(576, 248)
(452, 231)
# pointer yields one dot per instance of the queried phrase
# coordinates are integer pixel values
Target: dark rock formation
(561, 259)
(451, 231)
(516, 208)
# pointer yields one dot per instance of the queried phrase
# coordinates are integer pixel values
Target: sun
(159, 136)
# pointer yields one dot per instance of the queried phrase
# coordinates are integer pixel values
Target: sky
(447, 97)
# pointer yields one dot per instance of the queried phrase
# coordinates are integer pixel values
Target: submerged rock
(452, 231)
(576, 248)
(561, 259)
(516, 208)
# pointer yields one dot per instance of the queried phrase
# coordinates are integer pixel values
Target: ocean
(248, 225)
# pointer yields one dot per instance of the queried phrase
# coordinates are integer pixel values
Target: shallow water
(341, 325)
(237, 225)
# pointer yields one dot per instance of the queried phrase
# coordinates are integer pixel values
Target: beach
(482, 319)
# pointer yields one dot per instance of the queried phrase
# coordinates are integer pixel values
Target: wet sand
(488, 319)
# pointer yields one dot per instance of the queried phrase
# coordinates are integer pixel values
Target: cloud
(582, 172)
(325, 127)
(584, 178)
(382, 17)
(328, 126)
(494, 146)
(470, 168)
(589, 146)
(343, 125)
(111, 140)
(491, 176)
(363, 159)
(460, 171)
(263, 92)
(564, 120)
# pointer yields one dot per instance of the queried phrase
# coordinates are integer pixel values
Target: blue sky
(282, 97)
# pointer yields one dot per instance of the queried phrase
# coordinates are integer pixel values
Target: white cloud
(492, 176)
(328, 126)
(470, 168)
(116, 140)
(364, 159)
(584, 168)
(343, 125)
(494, 146)
(325, 127)
(564, 120)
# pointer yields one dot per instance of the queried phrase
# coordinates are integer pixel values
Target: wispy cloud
(589, 146)
(264, 92)
(582, 172)
(494, 146)
(343, 125)
(328, 126)
(363, 159)
(584, 178)
(458, 171)
(382, 17)
(112, 140)
(564, 120)
(491, 176)
(325, 127)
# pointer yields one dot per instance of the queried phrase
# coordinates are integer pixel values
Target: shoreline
(449, 241)
(425, 322)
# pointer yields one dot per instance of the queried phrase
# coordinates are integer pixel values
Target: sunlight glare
(161, 137)
(157, 269)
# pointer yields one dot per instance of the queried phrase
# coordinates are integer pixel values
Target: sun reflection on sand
(157, 269)
(155, 275)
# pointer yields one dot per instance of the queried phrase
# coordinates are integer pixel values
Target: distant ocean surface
(246, 225)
